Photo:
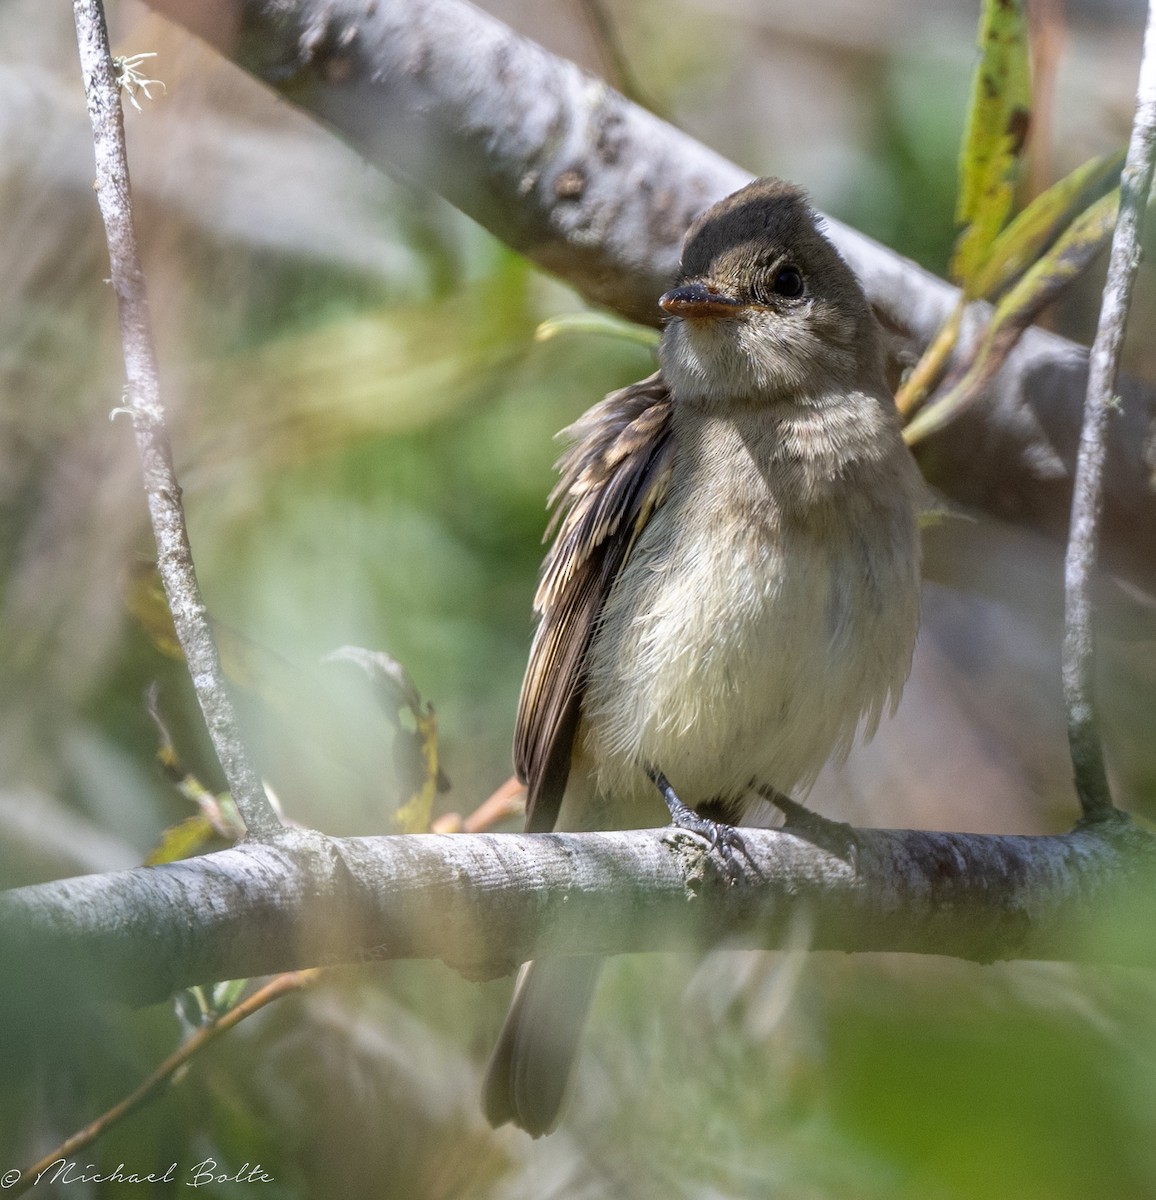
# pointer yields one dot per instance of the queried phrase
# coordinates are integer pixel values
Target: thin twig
(614, 59)
(280, 985)
(1088, 494)
(930, 366)
(508, 801)
(174, 557)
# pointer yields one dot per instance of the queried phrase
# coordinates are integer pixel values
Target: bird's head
(765, 309)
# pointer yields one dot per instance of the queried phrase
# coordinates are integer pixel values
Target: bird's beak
(699, 300)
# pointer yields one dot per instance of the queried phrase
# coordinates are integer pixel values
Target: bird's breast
(743, 643)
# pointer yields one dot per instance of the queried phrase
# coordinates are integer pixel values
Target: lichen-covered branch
(1088, 495)
(485, 902)
(143, 404)
(599, 191)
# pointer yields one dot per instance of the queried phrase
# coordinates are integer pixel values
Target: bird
(732, 592)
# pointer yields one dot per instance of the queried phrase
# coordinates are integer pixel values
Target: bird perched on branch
(732, 593)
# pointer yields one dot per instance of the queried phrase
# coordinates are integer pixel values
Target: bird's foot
(725, 840)
(836, 837)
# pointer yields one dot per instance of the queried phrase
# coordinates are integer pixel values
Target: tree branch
(1079, 661)
(174, 555)
(599, 191)
(485, 902)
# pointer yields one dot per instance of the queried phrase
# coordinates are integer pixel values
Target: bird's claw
(726, 842)
(836, 837)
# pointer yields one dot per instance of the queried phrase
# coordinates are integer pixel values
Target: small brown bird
(733, 590)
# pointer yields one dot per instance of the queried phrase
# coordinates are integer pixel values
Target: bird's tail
(528, 1078)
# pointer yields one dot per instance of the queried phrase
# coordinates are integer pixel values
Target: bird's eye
(788, 282)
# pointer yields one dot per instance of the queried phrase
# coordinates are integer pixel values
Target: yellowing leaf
(997, 126)
(1024, 239)
(414, 815)
(182, 840)
(1069, 257)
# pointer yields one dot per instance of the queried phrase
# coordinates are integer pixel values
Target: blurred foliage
(363, 423)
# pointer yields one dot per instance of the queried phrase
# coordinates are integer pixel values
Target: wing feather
(613, 475)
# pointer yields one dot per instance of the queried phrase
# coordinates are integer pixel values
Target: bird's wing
(614, 475)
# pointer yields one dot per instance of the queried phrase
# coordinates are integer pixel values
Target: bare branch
(174, 556)
(1088, 497)
(595, 189)
(485, 902)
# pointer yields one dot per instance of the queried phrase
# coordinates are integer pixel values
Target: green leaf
(203, 1004)
(997, 126)
(1025, 238)
(1069, 257)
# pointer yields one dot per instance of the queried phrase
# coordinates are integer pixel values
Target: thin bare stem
(508, 801)
(279, 986)
(1088, 495)
(930, 366)
(142, 395)
(614, 59)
